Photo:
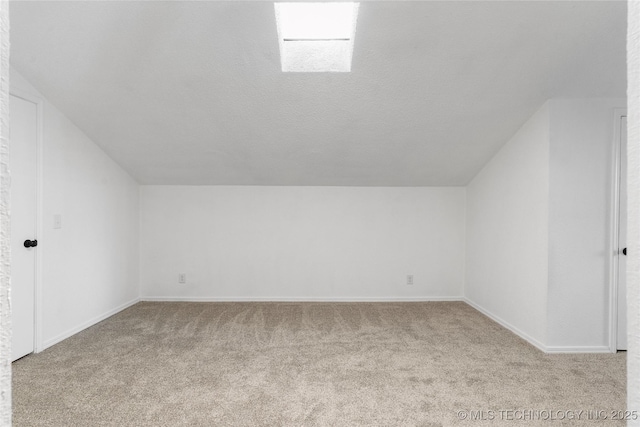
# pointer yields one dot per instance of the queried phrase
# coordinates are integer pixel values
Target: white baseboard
(536, 343)
(55, 340)
(578, 349)
(508, 325)
(298, 299)
(521, 334)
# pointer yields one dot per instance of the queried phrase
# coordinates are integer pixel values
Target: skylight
(316, 37)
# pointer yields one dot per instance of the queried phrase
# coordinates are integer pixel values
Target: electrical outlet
(57, 221)
(409, 279)
(182, 278)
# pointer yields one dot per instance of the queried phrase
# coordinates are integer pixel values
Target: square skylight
(316, 37)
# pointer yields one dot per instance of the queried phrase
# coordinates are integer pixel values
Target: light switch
(57, 221)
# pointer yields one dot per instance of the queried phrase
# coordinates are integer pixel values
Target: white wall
(90, 265)
(633, 234)
(5, 225)
(507, 212)
(535, 252)
(539, 227)
(301, 242)
(580, 197)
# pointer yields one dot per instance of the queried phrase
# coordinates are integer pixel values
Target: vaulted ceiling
(193, 93)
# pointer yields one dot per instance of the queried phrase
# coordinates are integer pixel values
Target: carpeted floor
(309, 364)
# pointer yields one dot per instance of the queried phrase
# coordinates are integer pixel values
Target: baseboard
(578, 349)
(521, 334)
(85, 325)
(547, 349)
(298, 299)
(534, 342)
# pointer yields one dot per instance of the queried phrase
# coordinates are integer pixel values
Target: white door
(22, 158)
(622, 240)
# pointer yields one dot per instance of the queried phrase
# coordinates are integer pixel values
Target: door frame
(39, 228)
(618, 114)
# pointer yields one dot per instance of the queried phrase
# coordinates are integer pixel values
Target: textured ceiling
(192, 92)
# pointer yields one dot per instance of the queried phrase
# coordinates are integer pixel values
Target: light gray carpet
(305, 364)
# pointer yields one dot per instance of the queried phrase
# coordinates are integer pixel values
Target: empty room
(250, 213)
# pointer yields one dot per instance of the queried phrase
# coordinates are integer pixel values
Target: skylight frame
(310, 40)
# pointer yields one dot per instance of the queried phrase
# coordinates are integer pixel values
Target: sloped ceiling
(192, 92)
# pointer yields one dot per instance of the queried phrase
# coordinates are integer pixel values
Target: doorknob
(624, 251)
(30, 243)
